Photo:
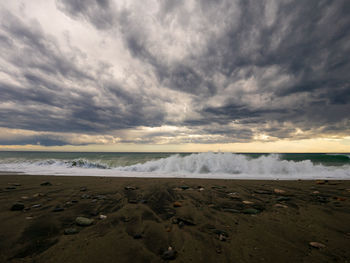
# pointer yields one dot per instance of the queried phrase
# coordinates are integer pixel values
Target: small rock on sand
(283, 198)
(281, 206)
(46, 183)
(130, 188)
(17, 207)
(83, 221)
(279, 191)
(251, 211)
(102, 217)
(247, 202)
(71, 231)
(58, 209)
(317, 245)
(170, 254)
(177, 204)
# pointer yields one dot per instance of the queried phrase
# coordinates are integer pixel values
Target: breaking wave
(229, 163)
(200, 165)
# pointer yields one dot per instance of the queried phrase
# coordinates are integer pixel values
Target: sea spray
(196, 165)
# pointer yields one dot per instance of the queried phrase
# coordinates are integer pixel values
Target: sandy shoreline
(203, 220)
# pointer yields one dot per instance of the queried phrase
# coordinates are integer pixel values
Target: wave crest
(226, 163)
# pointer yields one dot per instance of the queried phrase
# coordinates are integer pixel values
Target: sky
(165, 75)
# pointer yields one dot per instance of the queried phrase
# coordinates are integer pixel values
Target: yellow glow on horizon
(334, 145)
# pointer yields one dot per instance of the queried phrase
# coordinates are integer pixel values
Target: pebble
(317, 245)
(222, 237)
(186, 221)
(170, 254)
(102, 217)
(17, 207)
(83, 189)
(281, 206)
(130, 188)
(85, 196)
(340, 198)
(24, 197)
(279, 191)
(137, 236)
(71, 231)
(321, 181)
(230, 210)
(36, 206)
(132, 201)
(184, 187)
(201, 189)
(101, 197)
(247, 202)
(29, 217)
(218, 187)
(283, 198)
(263, 192)
(177, 204)
(58, 209)
(10, 188)
(251, 211)
(46, 183)
(316, 192)
(83, 221)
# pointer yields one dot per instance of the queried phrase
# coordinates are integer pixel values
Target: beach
(172, 219)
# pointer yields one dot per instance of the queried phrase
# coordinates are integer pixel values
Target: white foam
(202, 165)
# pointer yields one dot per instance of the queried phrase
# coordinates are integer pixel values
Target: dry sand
(212, 221)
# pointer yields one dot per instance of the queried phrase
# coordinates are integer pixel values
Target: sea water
(180, 165)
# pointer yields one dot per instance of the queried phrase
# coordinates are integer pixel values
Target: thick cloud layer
(175, 71)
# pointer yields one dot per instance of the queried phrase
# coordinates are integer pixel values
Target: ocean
(215, 165)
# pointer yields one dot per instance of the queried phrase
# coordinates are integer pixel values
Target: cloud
(227, 71)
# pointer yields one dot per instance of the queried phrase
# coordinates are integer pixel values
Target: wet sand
(178, 220)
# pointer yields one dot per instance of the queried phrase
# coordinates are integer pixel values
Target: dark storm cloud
(45, 97)
(270, 67)
(98, 12)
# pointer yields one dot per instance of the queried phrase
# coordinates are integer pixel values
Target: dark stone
(85, 196)
(220, 232)
(101, 197)
(130, 188)
(137, 236)
(46, 184)
(283, 198)
(83, 221)
(186, 221)
(251, 211)
(230, 210)
(58, 209)
(10, 188)
(263, 192)
(71, 231)
(74, 201)
(17, 207)
(322, 199)
(132, 201)
(184, 187)
(170, 254)
(218, 187)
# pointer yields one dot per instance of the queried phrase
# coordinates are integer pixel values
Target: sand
(200, 220)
